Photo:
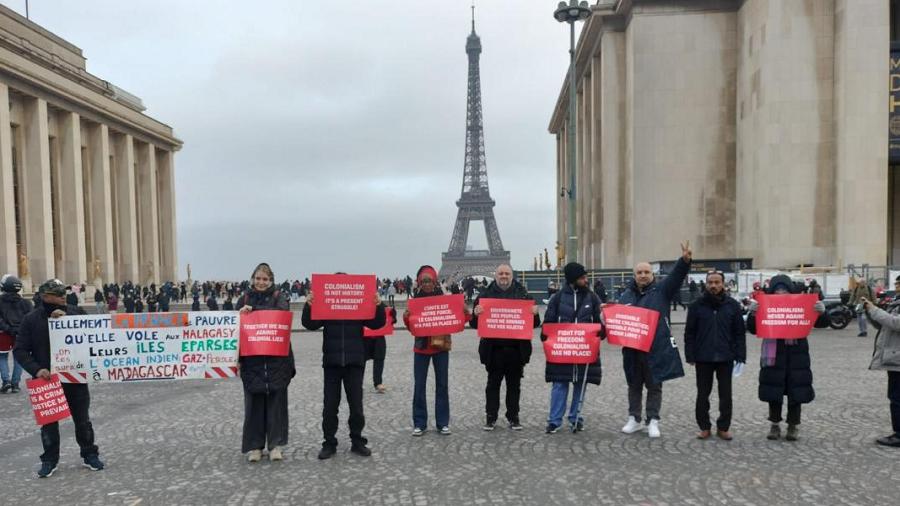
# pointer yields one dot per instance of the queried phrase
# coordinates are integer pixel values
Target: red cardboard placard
(786, 316)
(572, 343)
(386, 330)
(434, 316)
(343, 297)
(266, 332)
(630, 326)
(48, 400)
(506, 319)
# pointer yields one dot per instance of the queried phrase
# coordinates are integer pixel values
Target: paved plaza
(178, 443)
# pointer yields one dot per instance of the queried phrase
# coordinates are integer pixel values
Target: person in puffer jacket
(265, 378)
(886, 357)
(575, 303)
(785, 368)
(343, 363)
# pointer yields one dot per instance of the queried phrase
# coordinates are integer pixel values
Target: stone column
(8, 256)
(146, 187)
(71, 200)
(861, 39)
(165, 166)
(128, 263)
(103, 263)
(615, 186)
(36, 179)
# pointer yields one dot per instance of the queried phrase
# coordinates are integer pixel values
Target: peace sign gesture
(686, 252)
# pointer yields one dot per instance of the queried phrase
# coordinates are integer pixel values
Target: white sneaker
(417, 432)
(254, 456)
(632, 426)
(653, 429)
(275, 454)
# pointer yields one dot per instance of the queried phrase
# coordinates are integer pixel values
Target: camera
(859, 309)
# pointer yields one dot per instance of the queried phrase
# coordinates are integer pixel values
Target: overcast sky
(329, 135)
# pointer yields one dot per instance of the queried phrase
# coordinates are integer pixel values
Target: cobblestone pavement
(178, 443)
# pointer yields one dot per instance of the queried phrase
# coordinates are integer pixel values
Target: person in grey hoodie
(886, 357)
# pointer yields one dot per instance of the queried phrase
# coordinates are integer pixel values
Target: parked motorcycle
(840, 313)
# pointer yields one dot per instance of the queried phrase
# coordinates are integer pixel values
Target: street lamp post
(570, 13)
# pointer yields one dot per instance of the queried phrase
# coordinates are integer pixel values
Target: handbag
(442, 342)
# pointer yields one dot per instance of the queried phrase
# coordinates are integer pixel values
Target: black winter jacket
(571, 306)
(343, 343)
(264, 373)
(13, 309)
(488, 346)
(714, 331)
(663, 358)
(790, 375)
(32, 349)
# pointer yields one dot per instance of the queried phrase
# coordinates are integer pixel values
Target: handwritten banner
(48, 400)
(90, 349)
(572, 343)
(386, 330)
(434, 316)
(506, 319)
(343, 297)
(786, 316)
(630, 326)
(266, 333)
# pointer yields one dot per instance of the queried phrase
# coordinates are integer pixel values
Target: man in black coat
(714, 342)
(33, 352)
(503, 358)
(343, 363)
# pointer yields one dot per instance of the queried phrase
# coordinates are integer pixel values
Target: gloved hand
(753, 305)
(819, 307)
(543, 337)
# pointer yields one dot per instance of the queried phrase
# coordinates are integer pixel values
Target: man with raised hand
(650, 369)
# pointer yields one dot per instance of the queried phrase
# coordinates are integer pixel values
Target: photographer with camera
(858, 294)
(886, 357)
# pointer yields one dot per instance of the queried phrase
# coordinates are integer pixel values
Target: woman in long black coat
(266, 378)
(785, 369)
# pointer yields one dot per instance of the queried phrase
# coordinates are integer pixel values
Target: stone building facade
(754, 128)
(88, 187)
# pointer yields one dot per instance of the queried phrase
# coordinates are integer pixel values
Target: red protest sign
(786, 316)
(386, 330)
(48, 400)
(266, 333)
(572, 343)
(630, 326)
(506, 319)
(434, 316)
(343, 297)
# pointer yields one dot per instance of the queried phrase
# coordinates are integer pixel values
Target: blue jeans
(441, 393)
(559, 394)
(4, 369)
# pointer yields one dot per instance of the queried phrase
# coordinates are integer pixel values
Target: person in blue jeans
(13, 309)
(575, 303)
(434, 350)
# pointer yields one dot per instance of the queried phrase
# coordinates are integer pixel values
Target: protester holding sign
(886, 357)
(32, 350)
(376, 347)
(714, 343)
(343, 363)
(503, 358)
(785, 368)
(265, 377)
(434, 349)
(13, 308)
(662, 362)
(575, 303)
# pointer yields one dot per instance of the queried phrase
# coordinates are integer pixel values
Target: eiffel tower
(475, 203)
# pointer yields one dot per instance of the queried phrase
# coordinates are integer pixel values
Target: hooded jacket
(573, 306)
(13, 309)
(264, 373)
(32, 350)
(487, 345)
(663, 358)
(886, 356)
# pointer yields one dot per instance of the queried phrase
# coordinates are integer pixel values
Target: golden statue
(23, 266)
(97, 268)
